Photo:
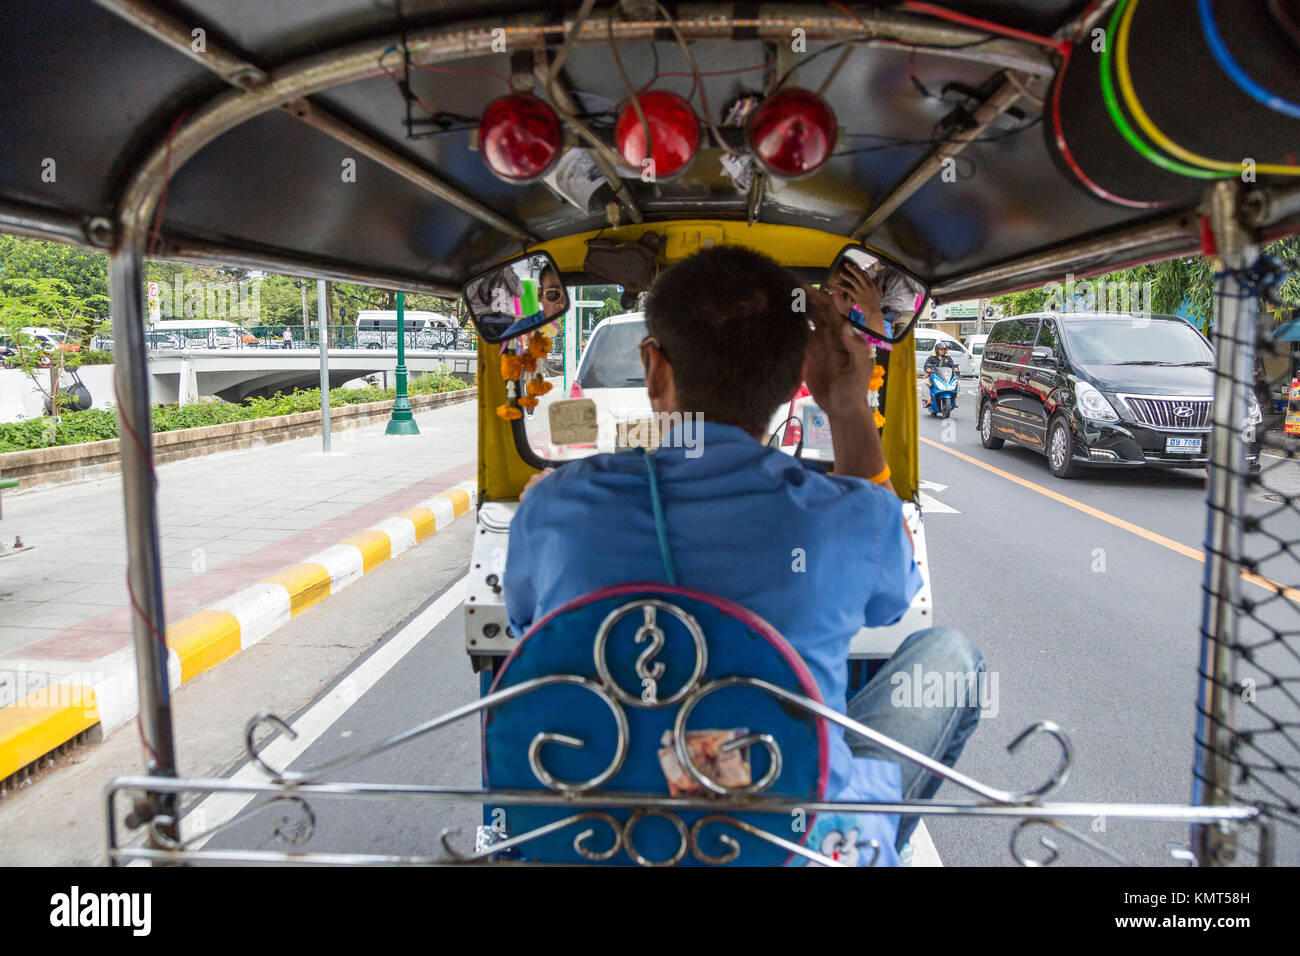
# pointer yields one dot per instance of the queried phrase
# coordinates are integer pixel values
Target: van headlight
(1093, 404)
(1254, 415)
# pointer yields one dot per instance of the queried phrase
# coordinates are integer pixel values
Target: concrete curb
(49, 717)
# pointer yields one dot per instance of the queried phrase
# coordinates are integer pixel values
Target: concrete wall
(21, 397)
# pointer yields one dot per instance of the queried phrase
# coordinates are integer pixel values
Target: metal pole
(322, 316)
(1234, 347)
(144, 557)
(403, 421)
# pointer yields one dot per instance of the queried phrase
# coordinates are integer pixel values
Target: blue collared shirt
(818, 556)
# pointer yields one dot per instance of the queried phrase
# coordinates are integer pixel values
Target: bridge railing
(273, 337)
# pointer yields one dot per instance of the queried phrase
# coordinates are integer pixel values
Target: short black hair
(734, 332)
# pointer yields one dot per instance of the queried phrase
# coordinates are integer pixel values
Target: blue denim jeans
(892, 705)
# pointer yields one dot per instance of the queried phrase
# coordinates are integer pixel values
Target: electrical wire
(631, 90)
(1121, 122)
(943, 13)
(1063, 147)
(695, 69)
(1244, 81)
(1150, 128)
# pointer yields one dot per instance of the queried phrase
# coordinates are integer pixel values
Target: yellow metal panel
(32, 727)
(204, 640)
(794, 246)
(502, 473)
(306, 583)
(901, 426)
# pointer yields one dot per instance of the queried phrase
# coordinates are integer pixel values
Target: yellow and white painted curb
(52, 715)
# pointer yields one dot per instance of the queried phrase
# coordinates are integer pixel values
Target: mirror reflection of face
(554, 298)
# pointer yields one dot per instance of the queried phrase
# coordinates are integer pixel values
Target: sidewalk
(227, 522)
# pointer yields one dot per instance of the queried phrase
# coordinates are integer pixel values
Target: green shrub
(98, 424)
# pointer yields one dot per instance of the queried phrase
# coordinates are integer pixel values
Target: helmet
(942, 347)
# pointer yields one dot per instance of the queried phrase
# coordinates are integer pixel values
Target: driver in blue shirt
(818, 556)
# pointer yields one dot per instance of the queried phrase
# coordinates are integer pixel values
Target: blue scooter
(943, 390)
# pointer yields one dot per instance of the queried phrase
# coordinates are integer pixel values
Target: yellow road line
(1177, 546)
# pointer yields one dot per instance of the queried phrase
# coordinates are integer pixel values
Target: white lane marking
(933, 506)
(924, 852)
(215, 810)
(931, 486)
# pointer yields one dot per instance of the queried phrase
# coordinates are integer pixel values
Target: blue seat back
(614, 671)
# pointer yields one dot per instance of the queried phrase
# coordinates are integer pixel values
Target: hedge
(98, 424)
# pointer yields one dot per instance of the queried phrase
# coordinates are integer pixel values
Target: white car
(610, 374)
(975, 345)
(927, 340)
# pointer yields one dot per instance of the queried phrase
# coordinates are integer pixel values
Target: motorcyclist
(939, 359)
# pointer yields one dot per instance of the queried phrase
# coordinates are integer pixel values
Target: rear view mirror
(1042, 354)
(516, 297)
(901, 293)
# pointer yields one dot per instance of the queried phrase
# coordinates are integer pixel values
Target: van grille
(1171, 414)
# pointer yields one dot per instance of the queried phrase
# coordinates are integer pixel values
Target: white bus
(425, 330)
(198, 334)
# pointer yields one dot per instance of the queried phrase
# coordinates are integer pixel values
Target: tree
(54, 304)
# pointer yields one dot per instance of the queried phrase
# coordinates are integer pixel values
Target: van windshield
(1150, 341)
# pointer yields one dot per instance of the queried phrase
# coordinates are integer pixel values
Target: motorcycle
(943, 390)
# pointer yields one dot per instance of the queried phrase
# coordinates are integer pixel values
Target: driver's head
(942, 349)
(730, 344)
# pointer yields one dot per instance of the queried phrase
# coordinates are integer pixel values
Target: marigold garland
(539, 346)
(508, 412)
(527, 401)
(512, 366)
(537, 386)
(880, 419)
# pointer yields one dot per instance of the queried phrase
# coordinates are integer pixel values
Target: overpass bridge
(236, 374)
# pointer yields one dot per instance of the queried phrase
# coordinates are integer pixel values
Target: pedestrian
(288, 338)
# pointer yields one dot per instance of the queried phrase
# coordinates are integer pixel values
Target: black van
(1103, 389)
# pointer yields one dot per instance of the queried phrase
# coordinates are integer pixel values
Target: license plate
(1182, 446)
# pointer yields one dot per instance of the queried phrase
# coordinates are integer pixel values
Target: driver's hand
(851, 286)
(837, 363)
(534, 480)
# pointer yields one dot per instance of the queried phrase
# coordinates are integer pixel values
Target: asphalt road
(1081, 594)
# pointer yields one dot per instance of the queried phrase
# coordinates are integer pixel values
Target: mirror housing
(516, 297)
(1043, 355)
(902, 294)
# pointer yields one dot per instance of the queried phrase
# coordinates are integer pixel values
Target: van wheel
(987, 438)
(1060, 450)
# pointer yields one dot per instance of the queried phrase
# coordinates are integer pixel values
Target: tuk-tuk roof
(240, 118)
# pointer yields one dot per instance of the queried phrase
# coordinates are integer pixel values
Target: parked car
(11, 352)
(927, 340)
(1104, 390)
(610, 374)
(975, 346)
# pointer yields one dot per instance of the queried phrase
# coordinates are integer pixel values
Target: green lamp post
(403, 420)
